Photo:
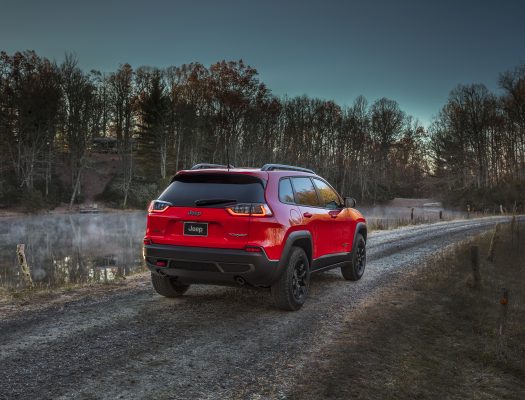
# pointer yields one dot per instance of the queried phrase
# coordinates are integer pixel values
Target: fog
(72, 248)
(400, 212)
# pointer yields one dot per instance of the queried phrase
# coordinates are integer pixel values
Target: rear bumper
(212, 266)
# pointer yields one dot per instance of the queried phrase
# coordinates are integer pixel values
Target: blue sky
(412, 51)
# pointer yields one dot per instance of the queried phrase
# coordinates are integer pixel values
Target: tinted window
(329, 197)
(185, 189)
(305, 192)
(285, 191)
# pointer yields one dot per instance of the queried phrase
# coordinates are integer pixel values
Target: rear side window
(285, 191)
(329, 198)
(186, 189)
(305, 193)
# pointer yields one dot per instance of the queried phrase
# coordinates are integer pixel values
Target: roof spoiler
(209, 166)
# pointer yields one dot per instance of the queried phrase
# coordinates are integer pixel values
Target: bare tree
(78, 109)
(154, 116)
(387, 121)
(122, 95)
(30, 102)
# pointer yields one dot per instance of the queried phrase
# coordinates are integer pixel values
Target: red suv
(266, 227)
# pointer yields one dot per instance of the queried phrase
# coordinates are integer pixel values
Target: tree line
(167, 119)
(478, 143)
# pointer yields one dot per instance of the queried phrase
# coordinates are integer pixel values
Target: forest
(53, 115)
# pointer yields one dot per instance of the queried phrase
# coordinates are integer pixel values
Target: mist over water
(72, 248)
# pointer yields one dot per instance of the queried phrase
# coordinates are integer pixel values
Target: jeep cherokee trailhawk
(269, 227)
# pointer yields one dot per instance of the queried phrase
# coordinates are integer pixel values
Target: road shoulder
(430, 335)
(17, 303)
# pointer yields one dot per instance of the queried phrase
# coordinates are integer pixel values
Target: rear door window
(305, 193)
(285, 191)
(329, 198)
(186, 189)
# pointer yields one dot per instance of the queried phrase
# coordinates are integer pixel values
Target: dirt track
(214, 343)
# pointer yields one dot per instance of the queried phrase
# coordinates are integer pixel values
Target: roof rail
(282, 167)
(208, 166)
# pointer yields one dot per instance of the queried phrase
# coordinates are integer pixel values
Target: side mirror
(349, 202)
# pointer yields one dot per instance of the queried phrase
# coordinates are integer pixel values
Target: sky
(411, 51)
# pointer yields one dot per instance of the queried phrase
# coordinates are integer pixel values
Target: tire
(354, 270)
(168, 287)
(290, 291)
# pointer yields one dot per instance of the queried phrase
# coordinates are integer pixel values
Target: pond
(64, 249)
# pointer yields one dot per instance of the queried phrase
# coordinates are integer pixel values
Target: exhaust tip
(240, 280)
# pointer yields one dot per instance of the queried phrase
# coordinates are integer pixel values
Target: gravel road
(213, 343)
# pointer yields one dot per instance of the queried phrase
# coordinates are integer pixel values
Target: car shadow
(245, 298)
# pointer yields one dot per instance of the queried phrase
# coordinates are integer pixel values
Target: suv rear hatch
(205, 210)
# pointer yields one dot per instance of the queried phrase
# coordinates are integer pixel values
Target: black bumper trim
(212, 265)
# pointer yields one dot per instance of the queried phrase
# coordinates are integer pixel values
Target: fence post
(490, 256)
(412, 215)
(518, 235)
(504, 301)
(474, 259)
(512, 229)
(24, 268)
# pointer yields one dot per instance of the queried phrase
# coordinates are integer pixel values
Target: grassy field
(437, 335)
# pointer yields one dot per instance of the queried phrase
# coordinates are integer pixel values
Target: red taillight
(161, 263)
(148, 241)
(158, 206)
(250, 210)
(253, 249)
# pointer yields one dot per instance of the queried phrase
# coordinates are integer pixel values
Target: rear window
(285, 191)
(186, 189)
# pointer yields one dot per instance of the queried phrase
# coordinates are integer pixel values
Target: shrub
(508, 195)
(33, 201)
(141, 192)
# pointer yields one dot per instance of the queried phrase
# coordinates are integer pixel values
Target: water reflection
(74, 248)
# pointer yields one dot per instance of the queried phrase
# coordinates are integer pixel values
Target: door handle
(307, 215)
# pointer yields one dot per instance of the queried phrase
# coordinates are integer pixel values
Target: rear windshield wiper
(208, 202)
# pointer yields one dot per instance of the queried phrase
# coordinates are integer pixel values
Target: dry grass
(387, 223)
(436, 337)
(14, 302)
(379, 224)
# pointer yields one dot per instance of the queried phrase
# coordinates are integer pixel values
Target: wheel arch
(360, 228)
(302, 239)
